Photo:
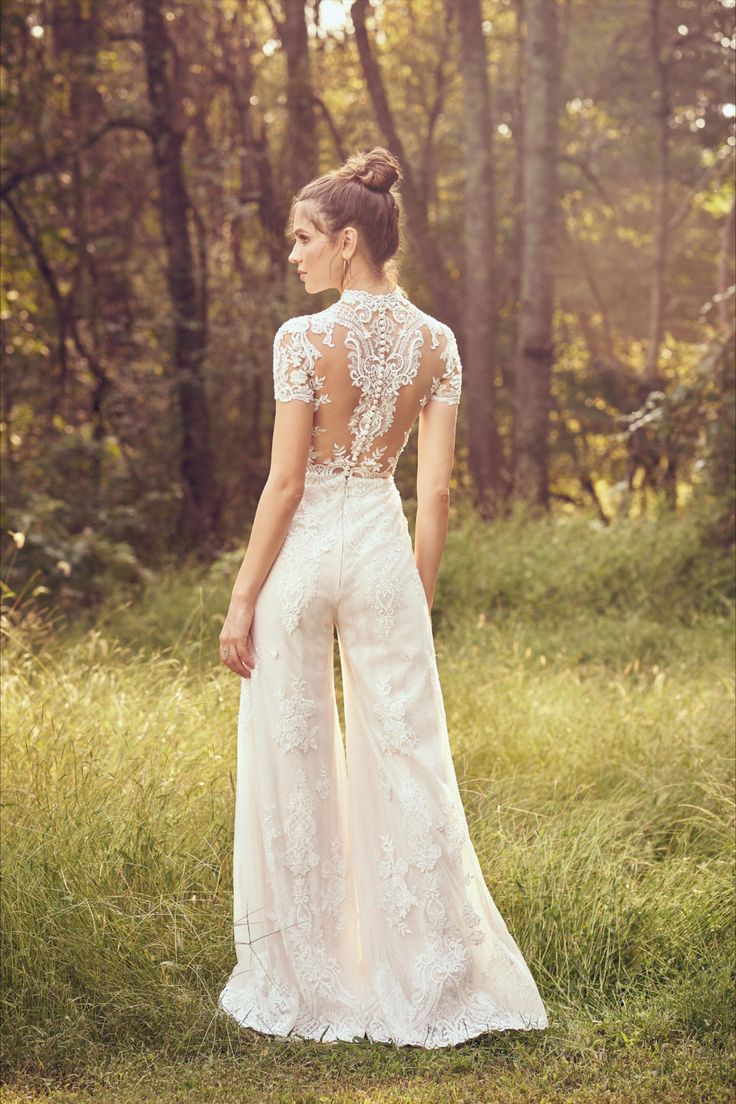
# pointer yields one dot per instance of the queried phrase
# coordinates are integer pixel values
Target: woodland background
(569, 209)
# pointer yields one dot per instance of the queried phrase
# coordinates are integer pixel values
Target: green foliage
(60, 567)
(593, 745)
(576, 567)
(88, 345)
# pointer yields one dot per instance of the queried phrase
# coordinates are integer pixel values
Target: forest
(568, 209)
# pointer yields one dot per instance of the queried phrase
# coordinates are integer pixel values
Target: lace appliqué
(269, 829)
(446, 388)
(314, 531)
(453, 826)
(299, 853)
(334, 893)
(384, 338)
(393, 733)
(418, 823)
(294, 358)
(382, 580)
(303, 930)
(296, 731)
(472, 919)
(395, 897)
(322, 786)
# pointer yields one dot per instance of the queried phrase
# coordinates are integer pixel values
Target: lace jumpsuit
(360, 908)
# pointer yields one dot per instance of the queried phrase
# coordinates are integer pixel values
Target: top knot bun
(378, 169)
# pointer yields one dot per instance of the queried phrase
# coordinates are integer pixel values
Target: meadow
(588, 676)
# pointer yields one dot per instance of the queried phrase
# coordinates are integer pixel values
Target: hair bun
(378, 169)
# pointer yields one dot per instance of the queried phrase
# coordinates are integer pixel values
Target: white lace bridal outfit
(360, 907)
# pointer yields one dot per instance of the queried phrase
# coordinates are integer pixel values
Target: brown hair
(359, 194)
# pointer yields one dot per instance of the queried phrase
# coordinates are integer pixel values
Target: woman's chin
(313, 288)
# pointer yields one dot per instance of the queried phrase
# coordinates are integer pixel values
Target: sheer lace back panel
(368, 364)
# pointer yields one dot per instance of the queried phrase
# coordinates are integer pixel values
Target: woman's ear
(349, 241)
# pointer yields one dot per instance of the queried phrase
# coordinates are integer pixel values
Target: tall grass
(588, 682)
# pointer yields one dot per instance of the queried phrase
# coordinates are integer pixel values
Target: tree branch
(57, 160)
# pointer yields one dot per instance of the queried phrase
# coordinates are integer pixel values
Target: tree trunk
(643, 452)
(535, 352)
(481, 278)
(430, 258)
(301, 147)
(200, 506)
(726, 272)
(661, 204)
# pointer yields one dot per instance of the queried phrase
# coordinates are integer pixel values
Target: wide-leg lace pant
(360, 907)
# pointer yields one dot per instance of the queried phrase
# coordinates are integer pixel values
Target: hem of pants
(464, 1032)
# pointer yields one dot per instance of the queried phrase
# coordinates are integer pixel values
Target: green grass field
(588, 680)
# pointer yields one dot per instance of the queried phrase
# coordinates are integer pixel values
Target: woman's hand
(236, 641)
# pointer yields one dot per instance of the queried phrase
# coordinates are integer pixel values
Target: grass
(588, 682)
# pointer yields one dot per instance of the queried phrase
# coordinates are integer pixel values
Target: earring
(345, 271)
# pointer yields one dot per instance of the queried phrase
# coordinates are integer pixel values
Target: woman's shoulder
(320, 322)
(304, 323)
(435, 327)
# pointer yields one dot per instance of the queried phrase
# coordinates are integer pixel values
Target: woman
(360, 908)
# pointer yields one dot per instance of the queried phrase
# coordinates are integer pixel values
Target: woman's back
(368, 363)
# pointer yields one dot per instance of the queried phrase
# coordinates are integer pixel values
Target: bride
(360, 909)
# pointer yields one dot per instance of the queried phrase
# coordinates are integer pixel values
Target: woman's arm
(436, 449)
(292, 433)
(279, 499)
(276, 507)
(436, 452)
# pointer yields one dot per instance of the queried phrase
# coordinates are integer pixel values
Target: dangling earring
(345, 271)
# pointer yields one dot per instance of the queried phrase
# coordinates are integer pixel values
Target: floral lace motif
(395, 897)
(296, 729)
(322, 786)
(303, 929)
(393, 733)
(334, 893)
(314, 531)
(383, 336)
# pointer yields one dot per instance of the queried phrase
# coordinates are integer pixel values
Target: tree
(200, 503)
(535, 352)
(481, 271)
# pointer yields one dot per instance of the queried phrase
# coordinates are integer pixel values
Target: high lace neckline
(357, 293)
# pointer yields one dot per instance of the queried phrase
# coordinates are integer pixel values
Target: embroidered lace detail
(293, 367)
(418, 822)
(314, 530)
(299, 853)
(393, 733)
(334, 893)
(380, 548)
(270, 831)
(395, 897)
(296, 731)
(322, 786)
(446, 387)
(318, 969)
(372, 348)
(454, 828)
(472, 919)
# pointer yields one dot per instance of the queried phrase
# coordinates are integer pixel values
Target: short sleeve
(447, 387)
(293, 376)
